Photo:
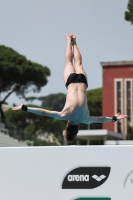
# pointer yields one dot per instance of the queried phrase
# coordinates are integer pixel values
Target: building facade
(117, 93)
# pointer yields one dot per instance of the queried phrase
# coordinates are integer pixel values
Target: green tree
(19, 75)
(53, 101)
(129, 13)
(31, 98)
(27, 126)
(129, 133)
(94, 98)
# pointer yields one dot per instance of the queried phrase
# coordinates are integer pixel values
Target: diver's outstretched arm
(103, 119)
(38, 111)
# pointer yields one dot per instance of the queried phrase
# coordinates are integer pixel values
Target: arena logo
(78, 178)
(86, 177)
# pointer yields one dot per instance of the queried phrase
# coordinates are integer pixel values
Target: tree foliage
(53, 101)
(17, 74)
(129, 13)
(31, 98)
(94, 98)
(28, 126)
(129, 133)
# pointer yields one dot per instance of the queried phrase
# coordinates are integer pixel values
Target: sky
(37, 28)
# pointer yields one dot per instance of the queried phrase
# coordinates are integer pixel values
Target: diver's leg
(77, 54)
(69, 68)
(77, 58)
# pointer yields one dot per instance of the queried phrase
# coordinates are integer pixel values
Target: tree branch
(15, 88)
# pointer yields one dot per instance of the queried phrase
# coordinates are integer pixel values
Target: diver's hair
(71, 132)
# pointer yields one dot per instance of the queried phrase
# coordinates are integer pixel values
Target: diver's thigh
(67, 71)
(80, 70)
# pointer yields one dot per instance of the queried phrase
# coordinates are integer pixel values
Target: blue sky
(36, 29)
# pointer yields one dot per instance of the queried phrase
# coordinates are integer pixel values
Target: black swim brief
(76, 78)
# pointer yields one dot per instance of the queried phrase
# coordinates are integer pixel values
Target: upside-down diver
(75, 110)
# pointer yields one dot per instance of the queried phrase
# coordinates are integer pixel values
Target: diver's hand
(119, 116)
(18, 107)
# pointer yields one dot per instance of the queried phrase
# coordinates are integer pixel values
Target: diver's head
(71, 132)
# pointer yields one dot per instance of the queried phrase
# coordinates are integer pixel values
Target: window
(118, 96)
(128, 103)
(118, 103)
(128, 100)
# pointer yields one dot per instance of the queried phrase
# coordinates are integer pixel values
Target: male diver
(75, 110)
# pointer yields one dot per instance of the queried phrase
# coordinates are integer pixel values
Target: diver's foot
(73, 39)
(68, 37)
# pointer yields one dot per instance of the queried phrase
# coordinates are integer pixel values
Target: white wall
(118, 142)
(37, 173)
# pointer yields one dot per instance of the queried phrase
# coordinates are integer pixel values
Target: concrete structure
(118, 142)
(99, 135)
(6, 140)
(3, 129)
(118, 93)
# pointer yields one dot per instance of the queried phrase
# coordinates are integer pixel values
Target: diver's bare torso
(76, 109)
